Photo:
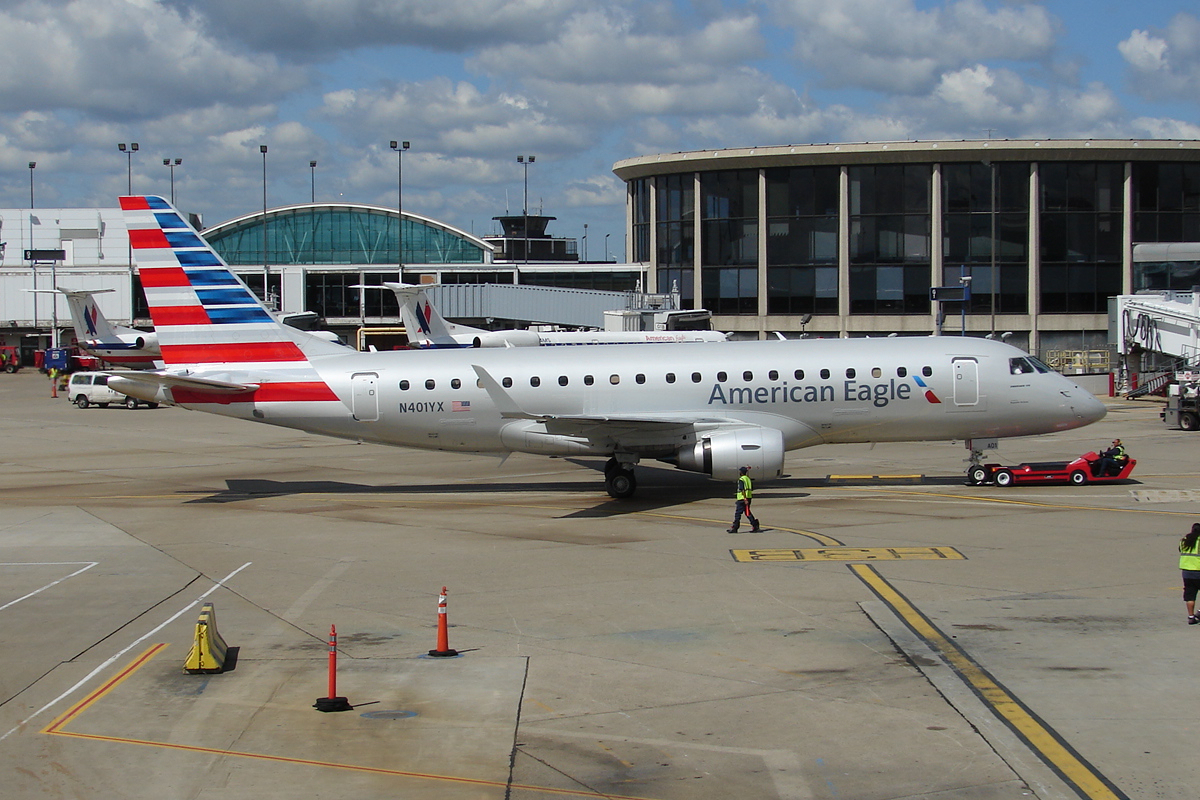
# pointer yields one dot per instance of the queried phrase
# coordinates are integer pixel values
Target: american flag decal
(460, 405)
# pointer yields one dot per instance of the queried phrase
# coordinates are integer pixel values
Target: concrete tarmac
(891, 633)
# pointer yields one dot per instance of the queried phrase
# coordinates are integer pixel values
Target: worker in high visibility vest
(745, 493)
(1189, 563)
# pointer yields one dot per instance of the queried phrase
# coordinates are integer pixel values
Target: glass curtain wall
(729, 248)
(1080, 215)
(676, 235)
(640, 198)
(972, 205)
(802, 237)
(340, 236)
(1166, 202)
(889, 239)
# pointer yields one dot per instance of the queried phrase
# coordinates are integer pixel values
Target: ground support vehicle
(11, 358)
(1078, 472)
(91, 388)
(1183, 407)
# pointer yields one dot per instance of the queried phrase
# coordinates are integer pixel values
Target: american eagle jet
(709, 409)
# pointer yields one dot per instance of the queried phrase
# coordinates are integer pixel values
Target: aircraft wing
(591, 425)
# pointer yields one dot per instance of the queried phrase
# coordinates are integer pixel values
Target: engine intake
(721, 453)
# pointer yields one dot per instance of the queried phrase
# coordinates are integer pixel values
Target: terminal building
(1022, 239)
(1026, 239)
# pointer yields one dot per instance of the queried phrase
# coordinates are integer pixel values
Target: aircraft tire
(1079, 477)
(1189, 421)
(1003, 477)
(81, 402)
(622, 483)
(131, 403)
(976, 476)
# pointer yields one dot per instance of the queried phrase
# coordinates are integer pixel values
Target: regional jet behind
(427, 329)
(707, 409)
(113, 344)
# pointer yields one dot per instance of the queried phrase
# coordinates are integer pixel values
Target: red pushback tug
(1079, 472)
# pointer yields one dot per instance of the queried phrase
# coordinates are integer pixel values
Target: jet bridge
(1166, 322)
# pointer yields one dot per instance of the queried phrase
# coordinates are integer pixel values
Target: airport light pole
(32, 165)
(400, 147)
(312, 169)
(526, 161)
(172, 164)
(128, 151)
(266, 295)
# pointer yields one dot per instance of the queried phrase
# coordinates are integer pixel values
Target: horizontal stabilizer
(165, 380)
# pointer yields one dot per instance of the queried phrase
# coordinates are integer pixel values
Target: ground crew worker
(1189, 564)
(1114, 456)
(54, 381)
(745, 492)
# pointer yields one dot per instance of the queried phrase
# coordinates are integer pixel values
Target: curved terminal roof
(916, 152)
(343, 233)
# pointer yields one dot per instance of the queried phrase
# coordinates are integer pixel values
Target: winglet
(503, 401)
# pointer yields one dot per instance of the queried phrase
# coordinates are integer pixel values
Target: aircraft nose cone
(1087, 408)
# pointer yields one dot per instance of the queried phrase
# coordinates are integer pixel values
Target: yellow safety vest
(745, 489)
(1190, 559)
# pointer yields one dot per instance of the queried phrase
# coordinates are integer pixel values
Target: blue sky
(474, 83)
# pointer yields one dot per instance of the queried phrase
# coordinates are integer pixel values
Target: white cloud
(605, 45)
(1165, 64)
(123, 59)
(891, 45)
(316, 29)
(967, 101)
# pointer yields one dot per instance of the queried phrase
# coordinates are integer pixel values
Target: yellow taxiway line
(1041, 738)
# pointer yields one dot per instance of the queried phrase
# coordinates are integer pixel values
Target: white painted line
(108, 662)
(90, 564)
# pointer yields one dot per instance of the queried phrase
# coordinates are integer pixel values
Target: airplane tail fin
(423, 321)
(203, 313)
(89, 321)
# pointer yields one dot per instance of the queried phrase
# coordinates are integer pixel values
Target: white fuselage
(813, 391)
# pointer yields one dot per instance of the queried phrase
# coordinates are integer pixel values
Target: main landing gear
(619, 480)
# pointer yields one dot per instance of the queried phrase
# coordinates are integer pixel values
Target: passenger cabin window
(824, 374)
(722, 377)
(640, 378)
(695, 377)
(614, 379)
(773, 374)
(506, 383)
(927, 371)
(799, 374)
(404, 386)
(429, 384)
(876, 372)
(901, 372)
(747, 375)
(562, 380)
(535, 381)
(850, 373)
(455, 384)
(588, 380)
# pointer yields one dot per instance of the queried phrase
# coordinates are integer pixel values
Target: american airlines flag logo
(460, 405)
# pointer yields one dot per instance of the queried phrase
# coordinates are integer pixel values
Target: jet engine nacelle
(720, 453)
(507, 339)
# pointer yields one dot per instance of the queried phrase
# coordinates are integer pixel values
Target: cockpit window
(1026, 365)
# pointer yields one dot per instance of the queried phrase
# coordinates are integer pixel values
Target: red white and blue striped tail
(204, 315)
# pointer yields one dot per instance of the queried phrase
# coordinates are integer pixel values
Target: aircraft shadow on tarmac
(658, 488)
